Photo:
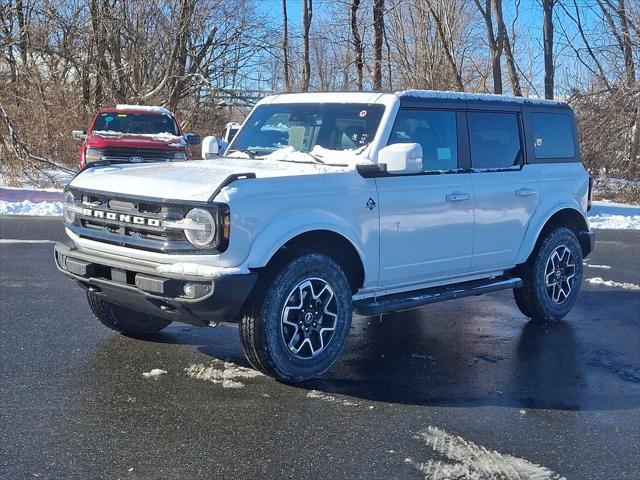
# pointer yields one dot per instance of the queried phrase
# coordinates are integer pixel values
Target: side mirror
(401, 158)
(79, 135)
(192, 138)
(210, 147)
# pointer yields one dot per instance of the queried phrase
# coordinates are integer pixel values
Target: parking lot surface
(463, 389)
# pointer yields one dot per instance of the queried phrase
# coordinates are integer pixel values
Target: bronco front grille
(137, 222)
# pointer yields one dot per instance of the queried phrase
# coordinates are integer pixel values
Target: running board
(417, 298)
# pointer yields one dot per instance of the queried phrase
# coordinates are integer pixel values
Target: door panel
(504, 204)
(426, 227)
(505, 191)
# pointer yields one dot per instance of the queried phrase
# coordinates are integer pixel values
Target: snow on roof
(144, 108)
(330, 97)
(466, 97)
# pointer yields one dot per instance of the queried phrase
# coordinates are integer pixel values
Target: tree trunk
(285, 46)
(508, 52)
(547, 7)
(98, 9)
(378, 34)
(181, 54)
(6, 19)
(307, 14)
(357, 42)
(495, 45)
(22, 33)
(446, 47)
(627, 46)
(634, 150)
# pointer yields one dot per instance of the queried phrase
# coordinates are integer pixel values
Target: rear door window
(494, 139)
(552, 135)
(435, 131)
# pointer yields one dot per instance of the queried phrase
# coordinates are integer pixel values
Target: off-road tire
(532, 298)
(261, 330)
(124, 320)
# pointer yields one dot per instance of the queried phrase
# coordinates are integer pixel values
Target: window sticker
(444, 154)
(363, 113)
(296, 137)
(538, 142)
(122, 115)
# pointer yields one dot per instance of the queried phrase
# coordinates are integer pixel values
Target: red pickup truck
(133, 134)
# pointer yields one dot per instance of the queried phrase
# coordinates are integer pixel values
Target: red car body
(133, 134)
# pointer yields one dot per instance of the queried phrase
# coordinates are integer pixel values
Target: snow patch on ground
(222, 373)
(17, 240)
(614, 216)
(198, 270)
(48, 180)
(27, 207)
(603, 267)
(467, 460)
(611, 283)
(155, 373)
(331, 399)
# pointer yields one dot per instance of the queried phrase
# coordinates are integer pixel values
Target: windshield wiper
(315, 157)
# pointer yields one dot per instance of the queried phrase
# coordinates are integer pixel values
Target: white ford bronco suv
(329, 203)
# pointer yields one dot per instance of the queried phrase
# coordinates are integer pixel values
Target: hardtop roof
(423, 96)
(412, 97)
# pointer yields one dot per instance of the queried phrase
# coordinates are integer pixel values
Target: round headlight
(68, 213)
(205, 227)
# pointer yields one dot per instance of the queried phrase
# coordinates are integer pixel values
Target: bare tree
(285, 46)
(597, 68)
(496, 43)
(307, 14)
(508, 50)
(378, 36)
(627, 47)
(23, 32)
(446, 41)
(549, 72)
(357, 41)
(621, 33)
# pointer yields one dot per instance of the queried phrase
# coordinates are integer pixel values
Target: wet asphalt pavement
(553, 400)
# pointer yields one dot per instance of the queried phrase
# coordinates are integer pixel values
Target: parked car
(230, 131)
(133, 133)
(326, 203)
(213, 146)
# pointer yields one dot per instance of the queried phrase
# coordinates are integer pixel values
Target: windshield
(136, 123)
(305, 126)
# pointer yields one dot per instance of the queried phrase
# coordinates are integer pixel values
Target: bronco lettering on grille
(121, 217)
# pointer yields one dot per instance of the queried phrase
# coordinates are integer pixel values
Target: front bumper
(136, 284)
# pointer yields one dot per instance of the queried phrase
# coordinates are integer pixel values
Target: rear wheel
(552, 277)
(124, 320)
(299, 321)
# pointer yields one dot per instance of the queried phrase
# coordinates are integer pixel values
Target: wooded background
(61, 60)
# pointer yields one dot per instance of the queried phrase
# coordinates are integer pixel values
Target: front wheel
(299, 322)
(552, 277)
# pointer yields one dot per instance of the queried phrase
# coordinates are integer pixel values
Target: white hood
(194, 180)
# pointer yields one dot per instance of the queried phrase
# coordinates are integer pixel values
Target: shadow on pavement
(466, 353)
